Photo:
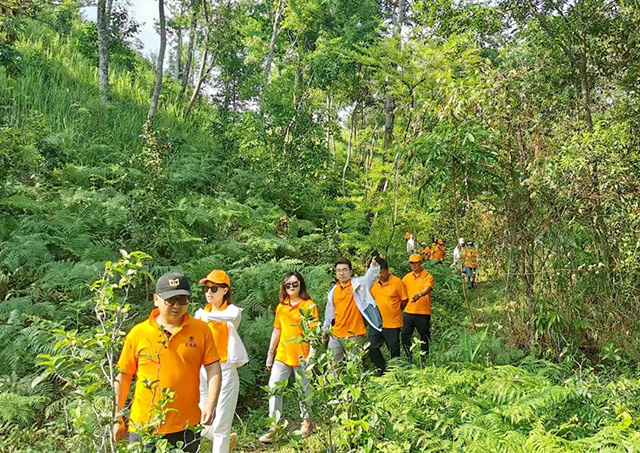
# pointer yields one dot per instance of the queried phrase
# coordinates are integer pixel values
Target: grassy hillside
(79, 183)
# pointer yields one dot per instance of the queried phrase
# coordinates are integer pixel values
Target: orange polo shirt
(470, 258)
(220, 332)
(389, 297)
(289, 322)
(438, 252)
(349, 321)
(414, 286)
(174, 362)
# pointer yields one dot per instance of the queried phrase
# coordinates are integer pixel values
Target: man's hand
(207, 415)
(374, 263)
(118, 431)
(269, 361)
(325, 337)
(416, 298)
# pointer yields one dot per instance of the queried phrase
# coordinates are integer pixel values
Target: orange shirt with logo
(220, 332)
(289, 322)
(174, 362)
(348, 319)
(414, 286)
(389, 297)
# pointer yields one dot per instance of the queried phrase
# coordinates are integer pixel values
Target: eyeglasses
(292, 285)
(173, 301)
(342, 271)
(213, 289)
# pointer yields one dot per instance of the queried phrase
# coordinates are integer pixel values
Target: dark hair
(346, 261)
(384, 264)
(303, 286)
(228, 297)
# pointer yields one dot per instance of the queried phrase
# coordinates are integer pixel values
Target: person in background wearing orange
(417, 313)
(470, 257)
(350, 307)
(223, 319)
(425, 251)
(168, 350)
(391, 297)
(438, 252)
(286, 354)
(407, 235)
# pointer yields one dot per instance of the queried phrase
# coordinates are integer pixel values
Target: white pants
(218, 432)
(281, 372)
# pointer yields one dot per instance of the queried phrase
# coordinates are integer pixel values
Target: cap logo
(175, 282)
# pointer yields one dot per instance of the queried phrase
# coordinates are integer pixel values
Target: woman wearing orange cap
(223, 318)
(286, 355)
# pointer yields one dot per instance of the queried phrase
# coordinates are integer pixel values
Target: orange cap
(217, 277)
(415, 258)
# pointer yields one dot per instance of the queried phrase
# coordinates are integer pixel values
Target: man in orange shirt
(417, 313)
(166, 352)
(350, 307)
(438, 252)
(391, 297)
(470, 256)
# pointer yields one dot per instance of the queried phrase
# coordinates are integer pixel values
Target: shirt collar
(422, 272)
(346, 285)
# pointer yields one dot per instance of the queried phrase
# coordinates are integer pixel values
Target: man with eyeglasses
(350, 307)
(165, 353)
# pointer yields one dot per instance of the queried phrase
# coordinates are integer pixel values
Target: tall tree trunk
(190, 50)
(457, 223)
(599, 226)
(177, 74)
(202, 75)
(349, 149)
(159, 63)
(103, 21)
(274, 39)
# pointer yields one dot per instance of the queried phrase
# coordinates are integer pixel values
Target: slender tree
(159, 63)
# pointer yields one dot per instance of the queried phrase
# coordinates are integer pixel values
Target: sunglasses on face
(213, 289)
(172, 302)
(292, 285)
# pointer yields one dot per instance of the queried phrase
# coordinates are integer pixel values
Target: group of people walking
(186, 367)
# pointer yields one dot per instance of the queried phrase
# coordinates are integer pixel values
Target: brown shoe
(267, 438)
(233, 440)
(307, 427)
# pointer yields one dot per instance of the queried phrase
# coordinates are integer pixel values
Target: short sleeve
(429, 280)
(402, 289)
(128, 362)
(276, 321)
(314, 315)
(210, 351)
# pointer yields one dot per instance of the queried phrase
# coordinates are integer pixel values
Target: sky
(145, 12)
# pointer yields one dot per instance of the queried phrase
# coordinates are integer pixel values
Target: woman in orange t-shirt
(286, 355)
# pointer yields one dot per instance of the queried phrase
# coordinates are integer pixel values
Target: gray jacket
(363, 298)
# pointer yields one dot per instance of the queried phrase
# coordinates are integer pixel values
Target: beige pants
(337, 345)
(280, 372)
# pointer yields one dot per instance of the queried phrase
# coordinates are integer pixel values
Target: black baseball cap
(172, 284)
